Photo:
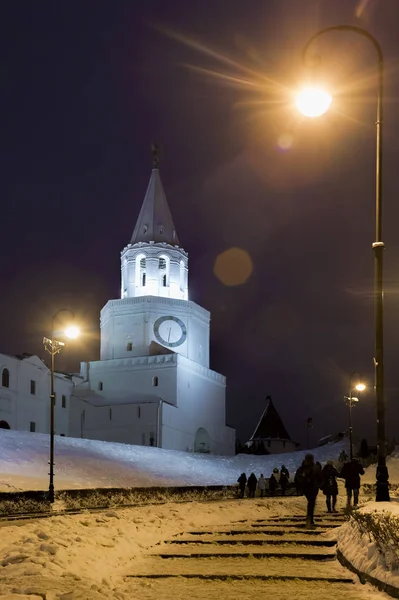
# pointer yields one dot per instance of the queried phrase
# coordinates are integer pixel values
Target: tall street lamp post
(54, 346)
(313, 102)
(351, 401)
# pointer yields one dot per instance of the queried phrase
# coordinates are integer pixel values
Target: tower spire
(155, 223)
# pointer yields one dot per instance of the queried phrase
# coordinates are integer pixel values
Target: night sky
(86, 86)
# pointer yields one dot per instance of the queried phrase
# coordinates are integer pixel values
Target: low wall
(11, 502)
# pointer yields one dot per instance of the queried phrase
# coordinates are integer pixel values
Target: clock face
(170, 331)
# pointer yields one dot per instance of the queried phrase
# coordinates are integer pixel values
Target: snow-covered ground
(83, 463)
(359, 549)
(87, 557)
(362, 552)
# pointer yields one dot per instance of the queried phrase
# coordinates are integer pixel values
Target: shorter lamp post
(309, 427)
(54, 346)
(351, 401)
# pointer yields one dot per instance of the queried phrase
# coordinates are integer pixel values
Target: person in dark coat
(309, 479)
(242, 481)
(251, 483)
(351, 472)
(283, 481)
(273, 484)
(343, 457)
(299, 491)
(330, 486)
(284, 471)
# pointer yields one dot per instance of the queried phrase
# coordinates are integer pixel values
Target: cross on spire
(155, 155)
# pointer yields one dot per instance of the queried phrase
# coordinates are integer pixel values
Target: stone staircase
(262, 552)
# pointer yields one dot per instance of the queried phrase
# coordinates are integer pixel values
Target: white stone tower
(154, 314)
(153, 385)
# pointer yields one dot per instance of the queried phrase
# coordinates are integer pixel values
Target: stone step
(249, 577)
(304, 553)
(302, 517)
(318, 519)
(276, 531)
(292, 524)
(227, 566)
(251, 541)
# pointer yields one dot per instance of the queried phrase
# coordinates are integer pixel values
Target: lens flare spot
(233, 267)
(285, 141)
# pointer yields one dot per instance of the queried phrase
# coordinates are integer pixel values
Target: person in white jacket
(262, 485)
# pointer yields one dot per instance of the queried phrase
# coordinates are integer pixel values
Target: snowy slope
(393, 469)
(89, 463)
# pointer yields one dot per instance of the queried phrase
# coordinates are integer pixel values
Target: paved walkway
(276, 556)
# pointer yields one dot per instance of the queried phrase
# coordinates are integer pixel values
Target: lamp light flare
(313, 102)
(72, 332)
(360, 387)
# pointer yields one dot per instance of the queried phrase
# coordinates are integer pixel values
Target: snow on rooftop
(81, 463)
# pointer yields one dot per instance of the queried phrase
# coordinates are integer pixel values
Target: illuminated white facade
(152, 384)
(25, 395)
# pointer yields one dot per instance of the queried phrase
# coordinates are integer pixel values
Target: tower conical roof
(155, 223)
(270, 424)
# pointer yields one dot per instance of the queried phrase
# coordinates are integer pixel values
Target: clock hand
(170, 329)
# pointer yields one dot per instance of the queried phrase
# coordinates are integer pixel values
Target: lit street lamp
(350, 401)
(54, 346)
(317, 103)
(313, 101)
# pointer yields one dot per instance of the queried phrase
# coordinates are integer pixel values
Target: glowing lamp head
(313, 102)
(72, 332)
(360, 387)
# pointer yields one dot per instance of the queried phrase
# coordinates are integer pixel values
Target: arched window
(5, 378)
(129, 346)
(181, 276)
(163, 271)
(155, 381)
(143, 271)
(100, 386)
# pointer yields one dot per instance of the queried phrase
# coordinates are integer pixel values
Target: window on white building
(138, 412)
(163, 271)
(63, 401)
(5, 378)
(181, 276)
(110, 414)
(32, 427)
(155, 381)
(143, 271)
(129, 346)
(100, 386)
(32, 387)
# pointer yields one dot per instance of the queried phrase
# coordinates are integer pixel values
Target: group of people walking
(309, 479)
(277, 479)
